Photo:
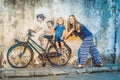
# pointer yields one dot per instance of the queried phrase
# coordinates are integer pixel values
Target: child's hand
(53, 37)
(32, 30)
(64, 39)
(61, 38)
(45, 31)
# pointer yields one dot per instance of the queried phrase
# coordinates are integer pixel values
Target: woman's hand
(69, 33)
(45, 32)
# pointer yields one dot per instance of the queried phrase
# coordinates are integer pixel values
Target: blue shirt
(84, 32)
(59, 30)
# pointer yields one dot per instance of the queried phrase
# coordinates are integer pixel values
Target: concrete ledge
(47, 71)
(42, 72)
(56, 71)
(9, 73)
(98, 69)
(24, 73)
(115, 68)
(81, 71)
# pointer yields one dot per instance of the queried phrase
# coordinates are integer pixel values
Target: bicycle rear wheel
(19, 55)
(58, 59)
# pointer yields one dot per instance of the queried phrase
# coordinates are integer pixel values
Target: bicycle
(21, 53)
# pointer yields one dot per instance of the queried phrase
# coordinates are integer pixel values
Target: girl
(59, 33)
(87, 45)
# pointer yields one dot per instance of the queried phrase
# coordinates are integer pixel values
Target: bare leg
(57, 45)
(41, 39)
(62, 44)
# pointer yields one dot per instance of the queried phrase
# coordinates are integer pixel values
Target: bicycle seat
(48, 36)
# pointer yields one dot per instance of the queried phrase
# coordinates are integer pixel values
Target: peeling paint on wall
(17, 16)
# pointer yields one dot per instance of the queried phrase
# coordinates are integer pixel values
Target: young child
(40, 24)
(50, 28)
(42, 29)
(59, 33)
(39, 27)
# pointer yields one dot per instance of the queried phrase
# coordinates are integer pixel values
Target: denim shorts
(58, 39)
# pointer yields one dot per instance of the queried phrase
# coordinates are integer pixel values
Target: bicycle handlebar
(30, 33)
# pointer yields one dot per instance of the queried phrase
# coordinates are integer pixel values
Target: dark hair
(51, 22)
(41, 16)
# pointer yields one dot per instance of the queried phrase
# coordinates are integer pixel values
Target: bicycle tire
(56, 59)
(14, 56)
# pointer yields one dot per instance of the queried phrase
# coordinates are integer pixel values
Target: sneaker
(99, 65)
(62, 50)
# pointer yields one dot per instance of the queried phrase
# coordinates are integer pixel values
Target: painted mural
(18, 16)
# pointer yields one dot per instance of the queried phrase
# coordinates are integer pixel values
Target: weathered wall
(118, 30)
(17, 16)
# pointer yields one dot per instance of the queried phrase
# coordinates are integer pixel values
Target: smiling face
(71, 20)
(60, 21)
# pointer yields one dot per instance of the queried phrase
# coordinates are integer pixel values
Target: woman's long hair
(70, 26)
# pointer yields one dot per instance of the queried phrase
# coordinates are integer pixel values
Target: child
(39, 27)
(42, 29)
(50, 28)
(59, 33)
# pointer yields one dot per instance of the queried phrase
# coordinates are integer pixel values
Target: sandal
(62, 50)
(80, 66)
(59, 50)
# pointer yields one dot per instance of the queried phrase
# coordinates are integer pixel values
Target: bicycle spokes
(61, 57)
(20, 56)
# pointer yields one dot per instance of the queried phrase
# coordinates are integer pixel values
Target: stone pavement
(49, 71)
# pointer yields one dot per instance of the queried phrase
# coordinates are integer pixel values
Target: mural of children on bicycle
(39, 27)
(73, 27)
(81, 21)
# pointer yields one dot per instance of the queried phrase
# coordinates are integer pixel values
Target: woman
(87, 45)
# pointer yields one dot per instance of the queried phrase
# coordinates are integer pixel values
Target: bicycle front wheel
(19, 55)
(58, 58)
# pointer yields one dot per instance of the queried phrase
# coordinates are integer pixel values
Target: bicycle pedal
(43, 64)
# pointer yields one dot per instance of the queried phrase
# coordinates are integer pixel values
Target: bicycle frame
(29, 45)
(33, 45)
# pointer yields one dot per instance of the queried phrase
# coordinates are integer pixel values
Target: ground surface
(86, 76)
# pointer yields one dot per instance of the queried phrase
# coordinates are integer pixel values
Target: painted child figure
(59, 33)
(50, 28)
(39, 27)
